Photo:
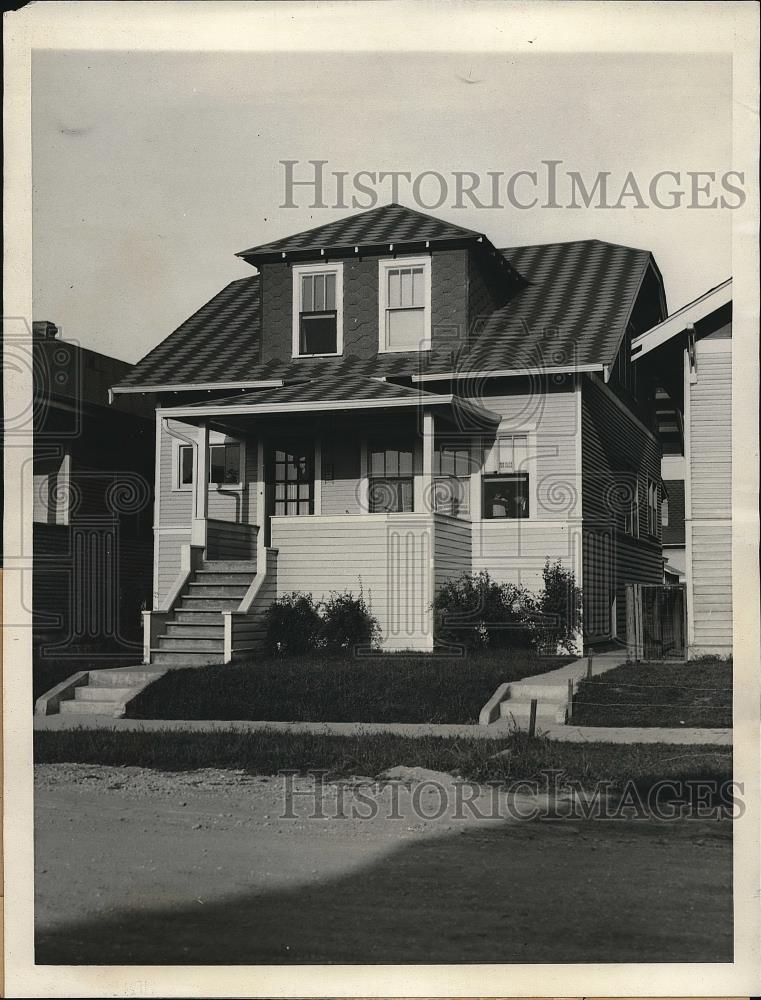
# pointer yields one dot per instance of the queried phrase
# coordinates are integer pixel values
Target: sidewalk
(498, 730)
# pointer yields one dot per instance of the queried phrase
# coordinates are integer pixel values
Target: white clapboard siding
(169, 545)
(516, 551)
(709, 517)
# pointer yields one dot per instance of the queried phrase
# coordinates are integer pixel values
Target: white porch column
(261, 537)
(201, 487)
(426, 480)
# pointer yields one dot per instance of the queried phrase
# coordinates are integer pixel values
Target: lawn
(267, 752)
(428, 688)
(696, 694)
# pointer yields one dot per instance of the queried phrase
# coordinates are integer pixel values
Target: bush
(346, 623)
(557, 610)
(292, 623)
(476, 611)
(296, 624)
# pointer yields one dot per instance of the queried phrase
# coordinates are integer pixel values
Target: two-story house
(688, 357)
(392, 401)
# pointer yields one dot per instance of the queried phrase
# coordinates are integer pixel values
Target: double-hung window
(451, 479)
(626, 493)
(404, 318)
(318, 311)
(390, 480)
(505, 482)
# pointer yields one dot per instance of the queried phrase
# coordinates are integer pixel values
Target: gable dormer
(387, 281)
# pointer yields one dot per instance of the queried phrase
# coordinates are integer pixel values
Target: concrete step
(121, 678)
(189, 645)
(75, 707)
(173, 658)
(525, 691)
(194, 602)
(216, 590)
(547, 713)
(87, 693)
(191, 616)
(193, 630)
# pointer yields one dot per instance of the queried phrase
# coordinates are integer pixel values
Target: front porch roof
(320, 395)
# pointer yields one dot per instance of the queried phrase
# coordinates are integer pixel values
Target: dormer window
(404, 319)
(317, 310)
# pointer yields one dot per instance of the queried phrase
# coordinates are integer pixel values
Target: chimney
(44, 329)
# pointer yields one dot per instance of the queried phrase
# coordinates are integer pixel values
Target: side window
(451, 483)
(506, 478)
(225, 465)
(391, 480)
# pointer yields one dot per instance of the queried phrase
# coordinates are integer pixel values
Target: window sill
(420, 349)
(333, 354)
(213, 488)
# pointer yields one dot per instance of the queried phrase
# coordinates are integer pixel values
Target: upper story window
(317, 310)
(404, 319)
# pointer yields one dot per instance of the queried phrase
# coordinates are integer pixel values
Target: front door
(290, 480)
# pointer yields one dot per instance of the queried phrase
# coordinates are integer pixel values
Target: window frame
(462, 478)
(216, 440)
(297, 272)
(528, 469)
(399, 477)
(653, 504)
(385, 265)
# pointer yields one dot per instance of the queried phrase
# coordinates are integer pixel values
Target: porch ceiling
(323, 395)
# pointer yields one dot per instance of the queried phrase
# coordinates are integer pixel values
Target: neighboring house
(689, 357)
(91, 489)
(391, 401)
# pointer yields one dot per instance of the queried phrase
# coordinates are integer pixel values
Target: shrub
(476, 611)
(346, 623)
(292, 623)
(558, 610)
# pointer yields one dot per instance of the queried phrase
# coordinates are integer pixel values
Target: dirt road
(136, 866)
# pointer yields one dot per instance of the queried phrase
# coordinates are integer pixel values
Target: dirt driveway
(136, 866)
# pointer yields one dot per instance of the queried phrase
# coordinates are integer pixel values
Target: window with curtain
(505, 479)
(451, 482)
(404, 297)
(391, 480)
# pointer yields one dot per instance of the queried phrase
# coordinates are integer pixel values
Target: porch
(318, 499)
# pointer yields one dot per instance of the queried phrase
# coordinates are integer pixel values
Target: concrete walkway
(498, 730)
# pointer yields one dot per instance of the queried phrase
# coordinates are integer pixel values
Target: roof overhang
(272, 383)
(508, 372)
(682, 319)
(424, 401)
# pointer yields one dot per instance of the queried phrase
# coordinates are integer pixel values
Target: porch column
(201, 487)
(427, 476)
(261, 499)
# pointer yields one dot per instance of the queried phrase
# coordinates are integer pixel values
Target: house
(689, 357)
(391, 401)
(91, 483)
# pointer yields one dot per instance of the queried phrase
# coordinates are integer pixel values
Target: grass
(380, 688)
(267, 752)
(695, 694)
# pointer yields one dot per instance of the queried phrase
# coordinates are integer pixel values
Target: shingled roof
(571, 313)
(377, 228)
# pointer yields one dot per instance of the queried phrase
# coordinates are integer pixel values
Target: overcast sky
(151, 170)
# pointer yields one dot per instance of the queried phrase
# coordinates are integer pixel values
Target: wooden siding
(709, 508)
(168, 553)
(618, 455)
(387, 558)
(452, 549)
(516, 551)
(227, 540)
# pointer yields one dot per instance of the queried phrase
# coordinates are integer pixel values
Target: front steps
(194, 635)
(96, 692)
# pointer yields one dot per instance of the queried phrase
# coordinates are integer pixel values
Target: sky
(151, 170)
